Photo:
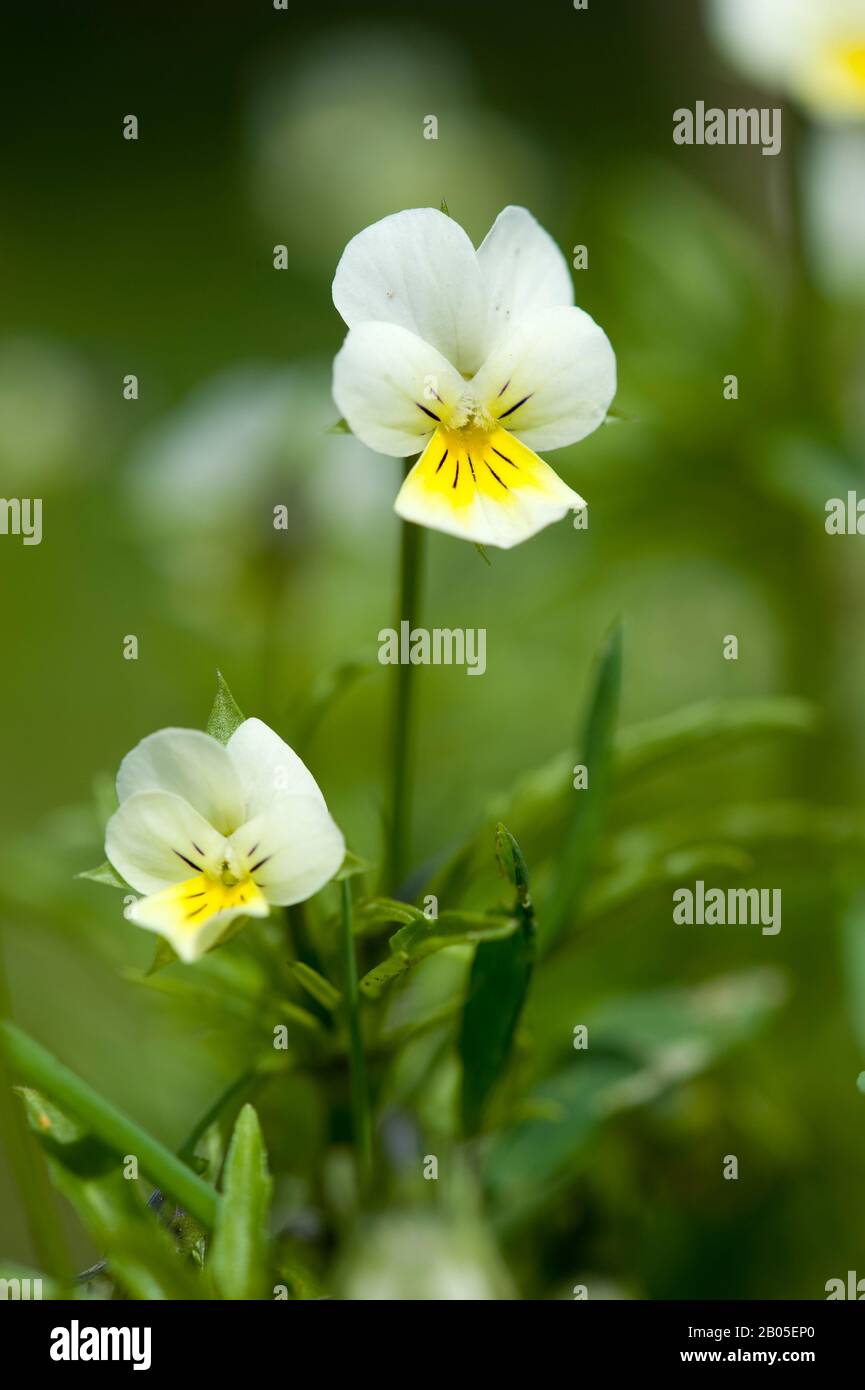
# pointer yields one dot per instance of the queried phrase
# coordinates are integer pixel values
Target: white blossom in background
(209, 833)
(813, 51)
(474, 360)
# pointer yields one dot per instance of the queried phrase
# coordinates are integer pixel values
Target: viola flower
(813, 50)
(474, 360)
(210, 833)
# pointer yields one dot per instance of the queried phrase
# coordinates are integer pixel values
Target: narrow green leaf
(238, 1261)
(444, 208)
(163, 954)
(64, 1138)
(106, 873)
(34, 1064)
(589, 804)
(697, 728)
(340, 426)
(225, 716)
(497, 989)
(422, 936)
(316, 985)
(483, 554)
(380, 912)
(498, 984)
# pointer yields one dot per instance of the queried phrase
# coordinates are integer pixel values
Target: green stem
(359, 1090)
(30, 1170)
(400, 808)
(43, 1071)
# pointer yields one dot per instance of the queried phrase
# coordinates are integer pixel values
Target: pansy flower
(211, 832)
(474, 360)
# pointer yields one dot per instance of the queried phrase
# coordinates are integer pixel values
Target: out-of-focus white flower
(812, 50)
(211, 833)
(473, 359)
(415, 1258)
(835, 207)
(338, 138)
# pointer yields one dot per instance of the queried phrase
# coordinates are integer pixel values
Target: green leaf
(351, 866)
(444, 208)
(339, 427)
(238, 1261)
(483, 554)
(34, 1064)
(163, 954)
(316, 985)
(697, 728)
(497, 989)
(64, 1138)
(588, 807)
(225, 716)
(378, 912)
(423, 936)
(650, 1043)
(106, 873)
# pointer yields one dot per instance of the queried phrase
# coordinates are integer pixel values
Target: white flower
(211, 833)
(473, 359)
(814, 50)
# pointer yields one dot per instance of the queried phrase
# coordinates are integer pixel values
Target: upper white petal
(156, 838)
(523, 270)
(192, 765)
(560, 363)
(385, 379)
(298, 845)
(419, 270)
(267, 768)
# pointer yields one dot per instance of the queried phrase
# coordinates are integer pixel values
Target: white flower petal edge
(523, 271)
(551, 378)
(192, 765)
(298, 845)
(156, 838)
(280, 847)
(390, 385)
(268, 769)
(416, 269)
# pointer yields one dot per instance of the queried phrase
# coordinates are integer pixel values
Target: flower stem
(400, 807)
(46, 1073)
(30, 1171)
(359, 1091)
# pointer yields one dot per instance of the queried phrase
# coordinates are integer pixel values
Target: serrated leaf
(238, 1260)
(421, 937)
(106, 873)
(316, 985)
(225, 716)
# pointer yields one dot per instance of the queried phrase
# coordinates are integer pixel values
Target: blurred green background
(155, 257)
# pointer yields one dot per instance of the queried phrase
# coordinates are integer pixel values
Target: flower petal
(393, 388)
(550, 379)
(523, 269)
(268, 769)
(194, 914)
(486, 488)
(155, 838)
(292, 849)
(419, 270)
(190, 764)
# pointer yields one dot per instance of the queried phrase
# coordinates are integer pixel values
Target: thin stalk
(40, 1069)
(359, 1091)
(400, 807)
(30, 1170)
